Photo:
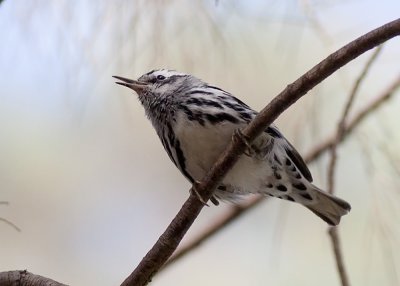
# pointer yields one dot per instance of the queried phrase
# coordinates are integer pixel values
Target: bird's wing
(291, 152)
(234, 108)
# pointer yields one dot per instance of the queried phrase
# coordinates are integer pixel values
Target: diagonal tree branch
(169, 240)
(23, 277)
(333, 232)
(313, 155)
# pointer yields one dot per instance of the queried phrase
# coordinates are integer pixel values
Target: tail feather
(328, 207)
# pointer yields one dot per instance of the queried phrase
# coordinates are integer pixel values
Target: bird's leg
(238, 135)
(193, 190)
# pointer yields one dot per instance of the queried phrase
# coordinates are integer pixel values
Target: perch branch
(313, 155)
(25, 278)
(170, 239)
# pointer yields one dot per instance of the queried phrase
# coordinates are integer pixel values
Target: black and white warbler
(195, 121)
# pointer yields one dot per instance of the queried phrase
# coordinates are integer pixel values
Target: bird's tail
(328, 207)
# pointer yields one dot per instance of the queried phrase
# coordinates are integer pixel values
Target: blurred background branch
(6, 221)
(333, 232)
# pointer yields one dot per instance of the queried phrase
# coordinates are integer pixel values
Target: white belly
(202, 145)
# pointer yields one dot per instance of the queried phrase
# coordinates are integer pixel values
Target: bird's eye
(160, 77)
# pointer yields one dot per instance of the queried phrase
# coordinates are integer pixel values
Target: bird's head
(161, 92)
(160, 85)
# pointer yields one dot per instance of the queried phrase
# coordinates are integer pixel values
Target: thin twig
(333, 232)
(6, 221)
(337, 249)
(10, 224)
(313, 155)
(170, 239)
(341, 125)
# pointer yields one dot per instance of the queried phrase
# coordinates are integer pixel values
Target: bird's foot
(193, 190)
(238, 135)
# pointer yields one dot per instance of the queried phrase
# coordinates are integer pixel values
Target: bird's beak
(137, 86)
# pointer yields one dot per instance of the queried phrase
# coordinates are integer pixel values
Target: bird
(195, 122)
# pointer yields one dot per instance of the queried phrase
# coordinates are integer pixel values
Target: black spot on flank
(277, 160)
(220, 117)
(279, 197)
(288, 163)
(182, 161)
(271, 195)
(222, 188)
(165, 140)
(274, 132)
(281, 188)
(214, 200)
(269, 186)
(293, 169)
(297, 176)
(277, 175)
(300, 186)
(306, 196)
(289, 198)
(298, 161)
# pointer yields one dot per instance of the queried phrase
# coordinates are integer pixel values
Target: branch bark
(313, 155)
(25, 278)
(169, 240)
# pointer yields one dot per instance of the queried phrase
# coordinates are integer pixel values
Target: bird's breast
(202, 144)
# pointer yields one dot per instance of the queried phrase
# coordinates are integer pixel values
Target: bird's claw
(193, 190)
(238, 135)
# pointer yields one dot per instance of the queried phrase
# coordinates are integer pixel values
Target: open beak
(137, 86)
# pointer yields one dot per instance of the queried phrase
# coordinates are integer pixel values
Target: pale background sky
(90, 185)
